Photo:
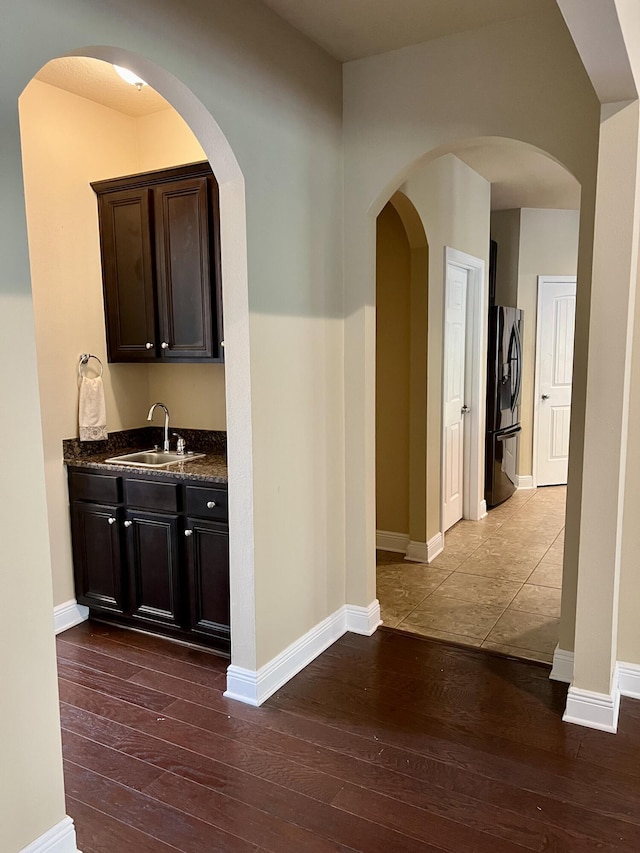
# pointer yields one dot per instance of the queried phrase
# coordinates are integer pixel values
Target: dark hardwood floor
(391, 743)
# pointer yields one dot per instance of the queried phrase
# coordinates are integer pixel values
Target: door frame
(542, 279)
(474, 506)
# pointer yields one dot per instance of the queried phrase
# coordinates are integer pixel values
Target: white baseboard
(435, 546)
(61, 838)
(483, 509)
(417, 552)
(386, 540)
(629, 679)
(363, 620)
(524, 481)
(67, 615)
(254, 687)
(562, 669)
(594, 710)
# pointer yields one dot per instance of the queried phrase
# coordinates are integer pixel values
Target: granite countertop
(212, 466)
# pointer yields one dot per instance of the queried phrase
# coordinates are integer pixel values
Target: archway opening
(495, 581)
(72, 137)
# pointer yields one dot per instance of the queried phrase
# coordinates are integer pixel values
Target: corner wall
(453, 202)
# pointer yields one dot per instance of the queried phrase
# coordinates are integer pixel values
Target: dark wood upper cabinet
(159, 238)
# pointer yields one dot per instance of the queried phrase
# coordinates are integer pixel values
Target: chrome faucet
(165, 446)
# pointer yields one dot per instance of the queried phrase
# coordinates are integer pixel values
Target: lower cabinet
(208, 566)
(155, 588)
(97, 556)
(140, 560)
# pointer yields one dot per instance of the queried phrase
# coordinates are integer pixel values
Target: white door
(453, 393)
(554, 371)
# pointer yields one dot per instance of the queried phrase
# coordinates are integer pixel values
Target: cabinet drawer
(204, 502)
(97, 488)
(152, 495)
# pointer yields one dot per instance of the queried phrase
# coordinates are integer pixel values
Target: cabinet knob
(211, 504)
(128, 523)
(188, 533)
(148, 345)
(164, 345)
(111, 520)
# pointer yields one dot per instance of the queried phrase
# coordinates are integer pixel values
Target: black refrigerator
(504, 382)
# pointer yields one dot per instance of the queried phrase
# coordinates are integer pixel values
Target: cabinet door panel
(127, 268)
(153, 567)
(97, 556)
(208, 564)
(181, 214)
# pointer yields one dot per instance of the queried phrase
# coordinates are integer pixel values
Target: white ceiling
(520, 176)
(99, 82)
(352, 29)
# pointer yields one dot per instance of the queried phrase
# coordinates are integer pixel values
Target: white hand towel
(92, 412)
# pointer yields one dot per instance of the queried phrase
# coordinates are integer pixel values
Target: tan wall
(393, 341)
(453, 203)
(505, 230)
(548, 246)
(85, 142)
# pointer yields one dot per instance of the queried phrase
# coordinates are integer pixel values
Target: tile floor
(496, 584)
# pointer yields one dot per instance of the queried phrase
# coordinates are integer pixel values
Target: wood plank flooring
(390, 743)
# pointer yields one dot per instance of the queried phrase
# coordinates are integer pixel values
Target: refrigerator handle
(518, 342)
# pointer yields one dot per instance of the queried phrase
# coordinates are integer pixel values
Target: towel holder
(84, 359)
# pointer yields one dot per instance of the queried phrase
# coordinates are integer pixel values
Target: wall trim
(68, 614)
(483, 510)
(363, 620)
(594, 710)
(254, 687)
(562, 669)
(524, 481)
(435, 546)
(387, 540)
(629, 679)
(61, 838)
(417, 552)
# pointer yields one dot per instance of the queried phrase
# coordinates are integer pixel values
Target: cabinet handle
(211, 504)
(111, 520)
(188, 532)
(148, 346)
(164, 345)
(128, 523)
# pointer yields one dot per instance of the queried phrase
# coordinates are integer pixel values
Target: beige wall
(505, 230)
(83, 142)
(276, 146)
(400, 108)
(548, 246)
(393, 341)
(454, 204)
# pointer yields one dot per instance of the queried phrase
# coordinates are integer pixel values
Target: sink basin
(154, 458)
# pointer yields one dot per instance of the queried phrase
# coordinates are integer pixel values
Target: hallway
(497, 584)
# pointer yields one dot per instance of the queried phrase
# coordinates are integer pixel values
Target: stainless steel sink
(154, 458)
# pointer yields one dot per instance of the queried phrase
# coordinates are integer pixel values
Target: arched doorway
(455, 192)
(113, 145)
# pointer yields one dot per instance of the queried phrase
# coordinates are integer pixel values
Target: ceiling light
(130, 77)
